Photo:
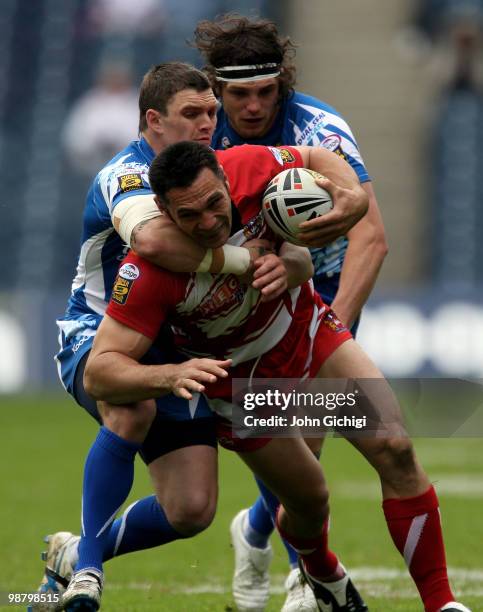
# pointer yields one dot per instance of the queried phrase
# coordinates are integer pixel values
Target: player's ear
(161, 204)
(154, 120)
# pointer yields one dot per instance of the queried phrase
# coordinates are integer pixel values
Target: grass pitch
(45, 440)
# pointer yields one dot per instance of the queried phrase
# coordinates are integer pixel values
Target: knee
(396, 455)
(305, 520)
(317, 506)
(312, 506)
(193, 514)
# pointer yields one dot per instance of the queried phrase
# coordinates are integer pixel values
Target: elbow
(382, 248)
(378, 247)
(363, 201)
(310, 268)
(146, 247)
(373, 243)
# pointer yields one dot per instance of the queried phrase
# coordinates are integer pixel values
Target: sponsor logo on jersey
(312, 128)
(121, 289)
(334, 143)
(287, 156)
(331, 142)
(130, 182)
(224, 298)
(129, 271)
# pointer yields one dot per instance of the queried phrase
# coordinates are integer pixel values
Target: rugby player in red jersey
(287, 336)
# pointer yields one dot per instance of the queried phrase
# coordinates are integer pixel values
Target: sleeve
(143, 294)
(123, 180)
(314, 123)
(342, 143)
(334, 134)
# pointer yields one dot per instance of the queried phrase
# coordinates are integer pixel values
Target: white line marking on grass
(375, 581)
(447, 485)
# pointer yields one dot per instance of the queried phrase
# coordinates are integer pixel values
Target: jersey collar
(146, 150)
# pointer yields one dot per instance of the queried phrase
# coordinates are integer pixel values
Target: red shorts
(229, 440)
(296, 355)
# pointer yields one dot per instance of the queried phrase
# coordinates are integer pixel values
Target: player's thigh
(181, 453)
(186, 485)
(79, 393)
(188, 472)
(376, 401)
(289, 469)
(349, 361)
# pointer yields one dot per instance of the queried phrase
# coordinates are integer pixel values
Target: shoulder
(256, 157)
(249, 168)
(139, 279)
(124, 175)
(302, 105)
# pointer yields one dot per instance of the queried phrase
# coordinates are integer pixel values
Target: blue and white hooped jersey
(304, 120)
(102, 250)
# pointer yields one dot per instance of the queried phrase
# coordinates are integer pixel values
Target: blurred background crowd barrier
(407, 76)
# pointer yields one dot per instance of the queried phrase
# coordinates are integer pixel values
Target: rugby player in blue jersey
(252, 73)
(176, 103)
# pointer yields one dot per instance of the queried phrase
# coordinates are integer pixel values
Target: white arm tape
(132, 211)
(237, 260)
(205, 264)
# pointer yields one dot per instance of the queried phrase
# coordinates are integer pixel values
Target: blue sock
(142, 525)
(108, 478)
(261, 519)
(260, 525)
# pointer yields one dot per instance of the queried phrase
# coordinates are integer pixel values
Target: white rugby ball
(292, 197)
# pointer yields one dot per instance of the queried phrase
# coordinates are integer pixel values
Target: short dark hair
(164, 81)
(232, 40)
(179, 165)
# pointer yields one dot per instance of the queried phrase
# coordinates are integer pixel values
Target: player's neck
(153, 141)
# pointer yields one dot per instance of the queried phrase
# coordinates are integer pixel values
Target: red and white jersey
(215, 315)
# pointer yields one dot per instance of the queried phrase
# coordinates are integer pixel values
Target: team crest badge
(287, 156)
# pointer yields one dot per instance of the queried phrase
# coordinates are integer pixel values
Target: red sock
(319, 561)
(415, 527)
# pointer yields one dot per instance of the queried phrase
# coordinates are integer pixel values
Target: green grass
(44, 442)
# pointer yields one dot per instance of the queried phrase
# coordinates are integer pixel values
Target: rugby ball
(292, 197)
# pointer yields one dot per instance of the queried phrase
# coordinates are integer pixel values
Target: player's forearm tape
(132, 211)
(225, 260)
(206, 262)
(236, 259)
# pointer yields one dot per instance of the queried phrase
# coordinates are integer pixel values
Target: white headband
(253, 72)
